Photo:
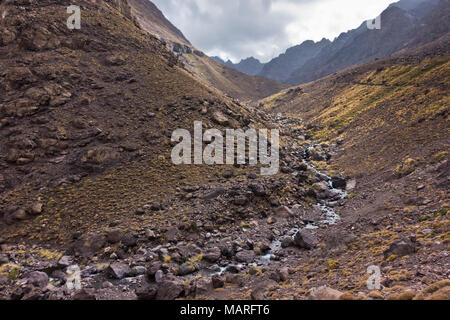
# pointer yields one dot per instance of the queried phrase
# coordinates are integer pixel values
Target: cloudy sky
(238, 29)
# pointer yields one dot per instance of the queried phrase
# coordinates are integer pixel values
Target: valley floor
(237, 238)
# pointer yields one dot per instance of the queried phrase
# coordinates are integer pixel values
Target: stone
(159, 276)
(150, 234)
(351, 185)
(240, 201)
(118, 270)
(324, 293)
(217, 281)
(214, 194)
(203, 286)
(287, 242)
(402, 247)
(4, 259)
(258, 189)
(305, 240)
(339, 183)
(138, 270)
(65, 261)
(219, 118)
(170, 289)
(213, 255)
(284, 274)
(36, 209)
(235, 279)
(246, 256)
(38, 279)
(84, 295)
(115, 60)
(114, 236)
(19, 214)
(129, 240)
(146, 293)
(228, 174)
(172, 234)
(186, 269)
(284, 212)
(153, 268)
(19, 76)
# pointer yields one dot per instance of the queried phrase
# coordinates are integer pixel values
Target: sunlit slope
(385, 112)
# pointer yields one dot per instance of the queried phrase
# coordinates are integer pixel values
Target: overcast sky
(238, 29)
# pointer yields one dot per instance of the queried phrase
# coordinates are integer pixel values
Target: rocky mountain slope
(406, 25)
(87, 186)
(250, 66)
(294, 58)
(399, 31)
(151, 19)
(209, 71)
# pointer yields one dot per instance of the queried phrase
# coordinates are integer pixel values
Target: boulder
(217, 281)
(304, 239)
(339, 183)
(146, 293)
(38, 279)
(213, 255)
(246, 256)
(402, 247)
(219, 118)
(36, 209)
(186, 269)
(324, 293)
(129, 240)
(170, 289)
(258, 189)
(118, 270)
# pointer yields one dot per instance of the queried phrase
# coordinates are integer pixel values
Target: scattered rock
(84, 295)
(153, 268)
(118, 270)
(258, 189)
(324, 293)
(36, 209)
(246, 256)
(284, 212)
(146, 293)
(170, 289)
(217, 281)
(305, 240)
(114, 236)
(219, 118)
(186, 269)
(402, 247)
(339, 183)
(129, 240)
(213, 255)
(65, 261)
(38, 279)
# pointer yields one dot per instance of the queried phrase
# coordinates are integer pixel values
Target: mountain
(394, 103)
(250, 66)
(406, 24)
(216, 75)
(153, 20)
(90, 190)
(398, 31)
(86, 114)
(294, 58)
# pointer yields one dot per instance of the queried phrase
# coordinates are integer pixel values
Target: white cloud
(237, 29)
